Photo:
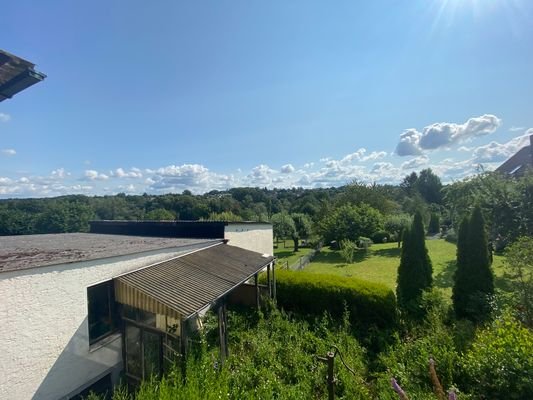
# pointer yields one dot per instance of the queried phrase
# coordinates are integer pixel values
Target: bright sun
(446, 11)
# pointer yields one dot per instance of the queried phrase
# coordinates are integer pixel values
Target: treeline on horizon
(506, 203)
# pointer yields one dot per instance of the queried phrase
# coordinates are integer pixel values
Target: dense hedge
(368, 303)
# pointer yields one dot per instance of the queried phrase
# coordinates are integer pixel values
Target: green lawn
(381, 262)
(285, 252)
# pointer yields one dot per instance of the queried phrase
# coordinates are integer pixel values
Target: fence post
(331, 380)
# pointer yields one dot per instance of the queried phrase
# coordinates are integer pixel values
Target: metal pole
(274, 280)
(256, 278)
(268, 281)
(221, 334)
(331, 380)
(225, 312)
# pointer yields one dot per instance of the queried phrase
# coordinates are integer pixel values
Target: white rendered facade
(44, 340)
(256, 237)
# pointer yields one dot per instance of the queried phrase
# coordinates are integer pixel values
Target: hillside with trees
(476, 344)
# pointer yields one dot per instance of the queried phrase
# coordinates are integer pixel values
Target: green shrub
(271, 357)
(381, 237)
(434, 224)
(451, 236)
(519, 266)
(500, 363)
(348, 249)
(408, 361)
(364, 242)
(367, 303)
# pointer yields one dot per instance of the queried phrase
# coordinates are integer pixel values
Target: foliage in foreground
(272, 358)
(519, 266)
(496, 365)
(500, 363)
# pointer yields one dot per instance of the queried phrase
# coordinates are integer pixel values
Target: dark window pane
(152, 349)
(145, 317)
(129, 312)
(171, 352)
(101, 310)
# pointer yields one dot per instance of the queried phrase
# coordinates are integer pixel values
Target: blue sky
(165, 96)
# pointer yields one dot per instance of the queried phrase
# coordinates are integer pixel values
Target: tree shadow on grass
(395, 252)
(444, 279)
(334, 257)
(284, 254)
(340, 265)
(503, 282)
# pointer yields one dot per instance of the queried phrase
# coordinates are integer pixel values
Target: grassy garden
(286, 254)
(380, 264)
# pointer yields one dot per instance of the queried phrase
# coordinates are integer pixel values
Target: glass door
(152, 353)
(143, 352)
(133, 351)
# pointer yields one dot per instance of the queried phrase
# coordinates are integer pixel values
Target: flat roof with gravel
(32, 251)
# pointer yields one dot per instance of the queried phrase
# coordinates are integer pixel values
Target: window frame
(112, 311)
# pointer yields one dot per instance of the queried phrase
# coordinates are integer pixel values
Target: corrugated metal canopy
(189, 283)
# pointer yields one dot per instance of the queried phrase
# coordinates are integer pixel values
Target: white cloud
(194, 177)
(359, 165)
(415, 163)
(261, 175)
(287, 169)
(127, 188)
(132, 173)
(494, 151)
(359, 156)
(4, 117)
(516, 128)
(8, 152)
(60, 173)
(445, 134)
(92, 175)
(408, 145)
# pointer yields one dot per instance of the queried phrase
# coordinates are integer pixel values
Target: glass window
(102, 319)
(138, 315)
(152, 354)
(133, 351)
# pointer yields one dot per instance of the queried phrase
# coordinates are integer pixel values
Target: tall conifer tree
(473, 280)
(415, 271)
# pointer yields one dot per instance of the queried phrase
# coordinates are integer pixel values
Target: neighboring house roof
(190, 283)
(16, 74)
(32, 251)
(519, 162)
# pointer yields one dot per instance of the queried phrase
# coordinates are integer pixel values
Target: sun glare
(446, 12)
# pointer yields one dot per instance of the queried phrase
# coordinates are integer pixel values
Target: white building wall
(254, 237)
(44, 339)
